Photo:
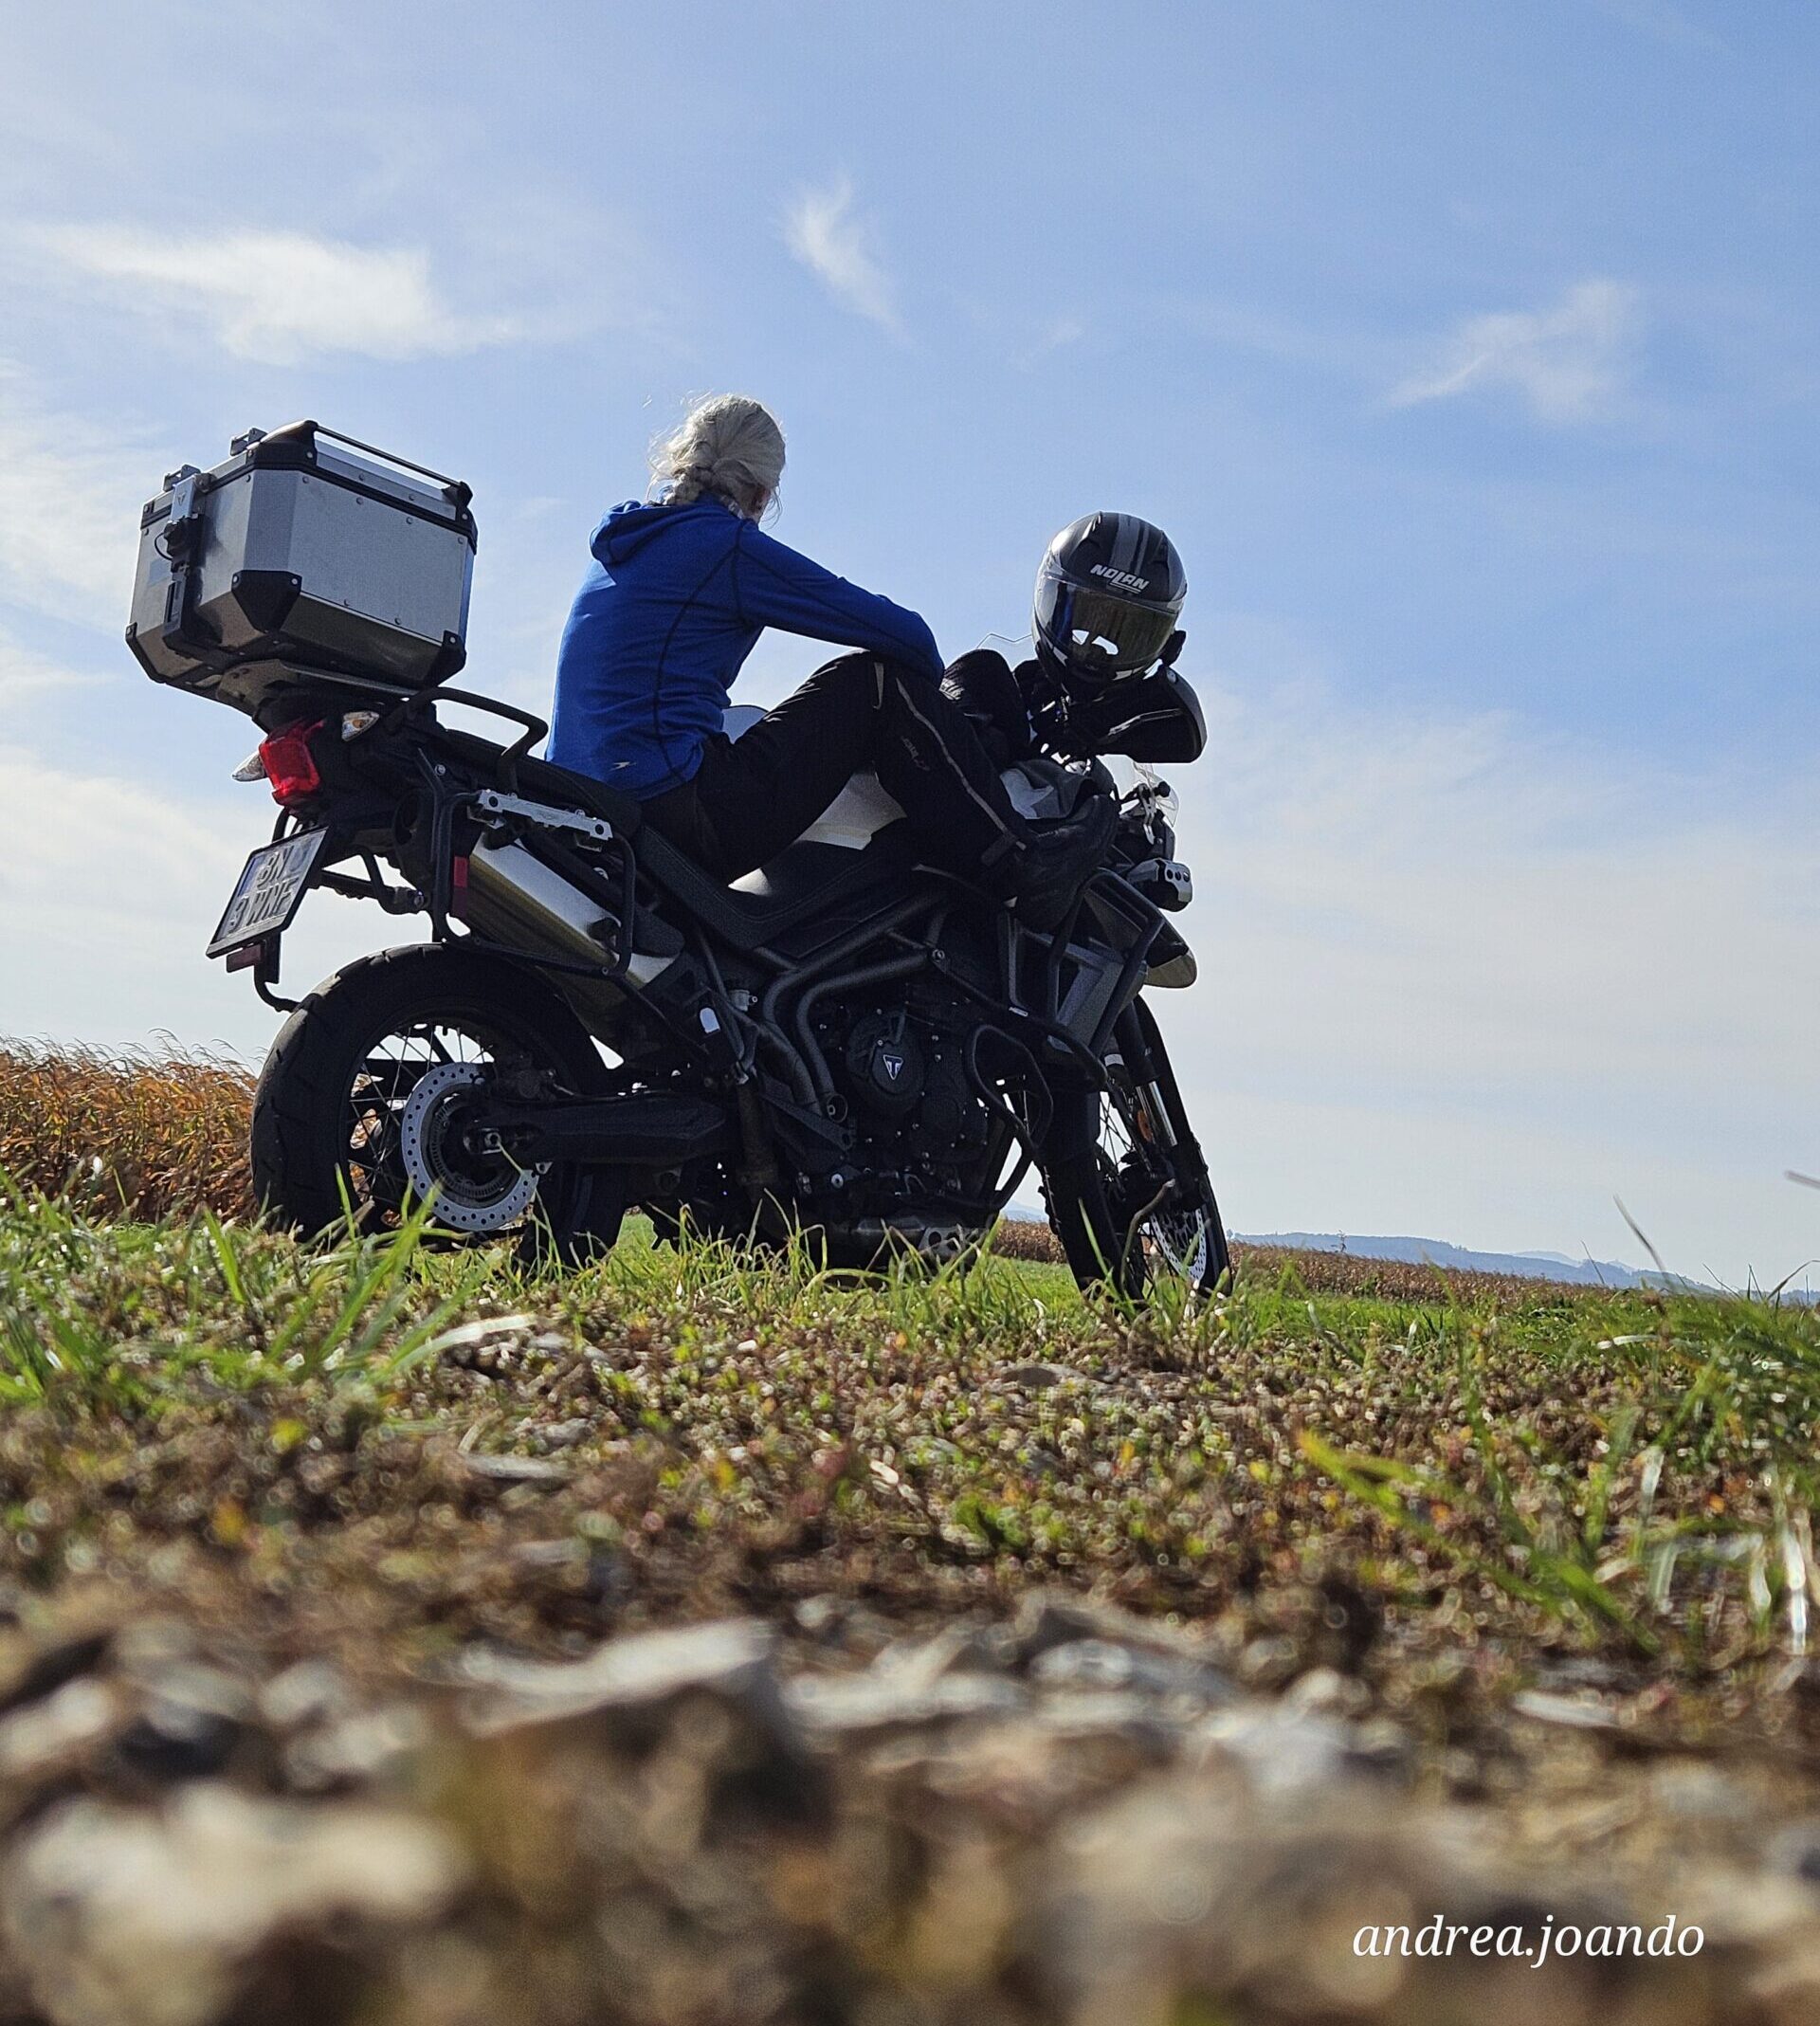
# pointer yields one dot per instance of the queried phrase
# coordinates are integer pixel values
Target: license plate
(267, 892)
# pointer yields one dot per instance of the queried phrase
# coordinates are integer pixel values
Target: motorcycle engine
(902, 1070)
(886, 1067)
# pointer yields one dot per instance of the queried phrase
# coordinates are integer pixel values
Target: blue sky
(1468, 352)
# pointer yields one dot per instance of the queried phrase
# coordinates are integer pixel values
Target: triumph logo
(1123, 578)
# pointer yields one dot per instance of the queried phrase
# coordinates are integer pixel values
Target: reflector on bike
(290, 767)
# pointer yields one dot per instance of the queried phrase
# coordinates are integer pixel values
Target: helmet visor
(1101, 634)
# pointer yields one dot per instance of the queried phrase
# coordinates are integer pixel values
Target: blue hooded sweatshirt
(671, 607)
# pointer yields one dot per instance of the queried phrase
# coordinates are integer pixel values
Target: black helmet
(1107, 596)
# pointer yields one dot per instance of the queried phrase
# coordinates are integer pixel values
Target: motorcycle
(847, 1043)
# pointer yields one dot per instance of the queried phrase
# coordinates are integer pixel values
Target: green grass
(1501, 1469)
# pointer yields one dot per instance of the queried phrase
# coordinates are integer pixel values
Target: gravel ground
(393, 1635)
(1070, 1815)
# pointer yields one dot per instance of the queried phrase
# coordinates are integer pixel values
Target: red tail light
(289, 766)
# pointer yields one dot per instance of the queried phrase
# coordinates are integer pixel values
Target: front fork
(1131, 1054)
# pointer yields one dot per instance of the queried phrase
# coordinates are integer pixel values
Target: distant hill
(1437, 1252)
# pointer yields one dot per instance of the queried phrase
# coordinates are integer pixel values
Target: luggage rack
(459, 494)
(410, 698)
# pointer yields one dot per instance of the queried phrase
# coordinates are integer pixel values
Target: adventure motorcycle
(847, 1042)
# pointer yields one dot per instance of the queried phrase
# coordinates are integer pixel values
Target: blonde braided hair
(728, 448)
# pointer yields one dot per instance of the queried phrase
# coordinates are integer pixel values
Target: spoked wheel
(1126, 1183)
(369, 1101)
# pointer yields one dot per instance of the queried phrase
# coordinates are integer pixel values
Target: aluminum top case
(305, 550)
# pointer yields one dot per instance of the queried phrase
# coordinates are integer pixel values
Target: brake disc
(1181, 1236)
(484, 1192)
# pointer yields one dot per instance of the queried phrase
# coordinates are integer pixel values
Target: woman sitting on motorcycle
(676, 598)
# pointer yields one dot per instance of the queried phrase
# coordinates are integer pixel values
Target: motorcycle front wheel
(1127, 1187)
(362, 1106)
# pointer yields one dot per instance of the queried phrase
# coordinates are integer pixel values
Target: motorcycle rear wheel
(1124, 1179)
(359, 1106)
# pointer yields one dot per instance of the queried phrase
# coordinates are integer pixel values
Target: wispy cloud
(281, 298)
(838, 246)
(70, 495)
(1569, 362)
(108, 890)
(1658, 18)
(1055, 336)
(23, 673)
(111, 886)
(1565, 973)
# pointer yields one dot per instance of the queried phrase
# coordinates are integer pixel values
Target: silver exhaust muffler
(514, 898)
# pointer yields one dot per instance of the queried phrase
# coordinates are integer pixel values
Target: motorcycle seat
(805, 882)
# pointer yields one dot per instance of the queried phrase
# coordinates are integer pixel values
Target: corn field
(141, 1135)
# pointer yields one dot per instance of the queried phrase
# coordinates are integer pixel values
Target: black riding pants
(754, 795)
